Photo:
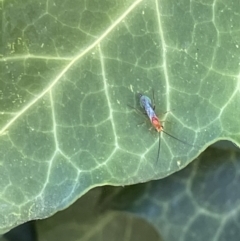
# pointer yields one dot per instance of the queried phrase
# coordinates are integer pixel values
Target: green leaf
(82, 222)
(69, 71)
(198, 203)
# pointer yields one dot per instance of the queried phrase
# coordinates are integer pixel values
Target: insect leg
(137, 110)
(153, 105)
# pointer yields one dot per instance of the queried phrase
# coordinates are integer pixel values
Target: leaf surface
(69, 71)
(200, 202)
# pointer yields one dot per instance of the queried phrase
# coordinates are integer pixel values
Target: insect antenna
(177, 138)
(159, 145)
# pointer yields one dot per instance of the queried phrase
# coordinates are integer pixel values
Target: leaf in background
(81, 222)
(23, 232)
(199, 203)
(69, 70)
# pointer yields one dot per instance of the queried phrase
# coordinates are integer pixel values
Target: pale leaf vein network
(69, 65)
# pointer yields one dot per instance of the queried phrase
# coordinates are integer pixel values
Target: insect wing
(145, 102)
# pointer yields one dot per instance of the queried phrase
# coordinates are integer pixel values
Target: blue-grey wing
(145, 102)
